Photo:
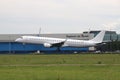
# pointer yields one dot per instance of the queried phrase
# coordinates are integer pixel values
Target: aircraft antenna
(89, 30)
(39, 31)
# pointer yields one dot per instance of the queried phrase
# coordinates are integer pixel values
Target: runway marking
(64, 65)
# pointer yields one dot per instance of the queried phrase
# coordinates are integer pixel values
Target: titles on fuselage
(82, 35)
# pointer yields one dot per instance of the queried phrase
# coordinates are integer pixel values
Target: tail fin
(99, 37)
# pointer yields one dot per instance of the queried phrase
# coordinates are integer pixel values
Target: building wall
(8, 44)
(13, 47)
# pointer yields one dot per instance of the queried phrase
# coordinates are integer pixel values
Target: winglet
(99, 37)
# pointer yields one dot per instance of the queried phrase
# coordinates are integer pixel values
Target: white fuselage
(43, 40)
(59, 42)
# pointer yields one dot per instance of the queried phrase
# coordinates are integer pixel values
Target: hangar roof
(79, 36)
(12, 37)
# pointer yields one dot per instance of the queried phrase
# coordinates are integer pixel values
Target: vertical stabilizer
(99, 37)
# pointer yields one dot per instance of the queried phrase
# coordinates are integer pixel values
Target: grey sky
(58, 16)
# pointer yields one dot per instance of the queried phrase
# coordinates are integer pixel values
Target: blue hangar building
(8, 44)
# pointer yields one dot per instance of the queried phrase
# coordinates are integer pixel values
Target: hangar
(8, 44)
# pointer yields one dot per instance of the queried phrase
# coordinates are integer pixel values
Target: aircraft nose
(18, 40)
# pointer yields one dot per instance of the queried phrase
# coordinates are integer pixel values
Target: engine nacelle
(47, 45)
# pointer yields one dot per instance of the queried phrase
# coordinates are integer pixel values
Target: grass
(60, 67)
(60, 73)
(60, 59)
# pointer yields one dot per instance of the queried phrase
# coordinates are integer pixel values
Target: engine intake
(47, 45)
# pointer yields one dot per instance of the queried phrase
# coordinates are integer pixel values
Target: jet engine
(47, 45)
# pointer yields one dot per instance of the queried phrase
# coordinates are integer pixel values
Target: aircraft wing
(56, 44)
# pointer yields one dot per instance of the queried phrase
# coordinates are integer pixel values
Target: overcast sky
(58, 16)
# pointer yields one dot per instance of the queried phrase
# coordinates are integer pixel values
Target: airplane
(62, 42)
